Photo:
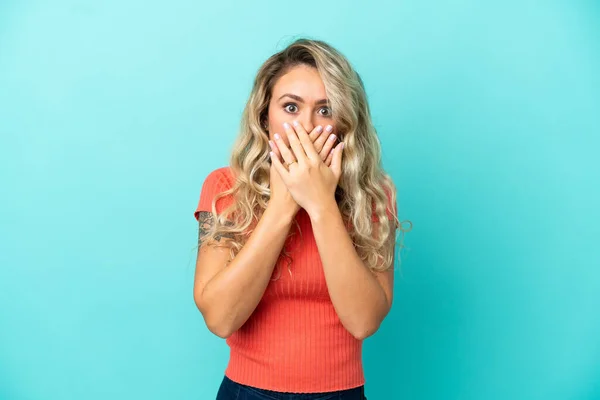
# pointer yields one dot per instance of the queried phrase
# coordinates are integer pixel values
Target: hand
(280, 195)
(310, 182)
(322, 139)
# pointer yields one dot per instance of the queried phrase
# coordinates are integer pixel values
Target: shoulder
(217, 181)
(220, 179)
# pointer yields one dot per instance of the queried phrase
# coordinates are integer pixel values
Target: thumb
(336, 162)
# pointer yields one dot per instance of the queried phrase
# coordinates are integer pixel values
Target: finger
(329, 144)
(295, 144)
(336, 162)
(316, 133)
(275, 149)
(320, 142)
(307, 144)
(329, 158)
(285, 152)
(283, 173)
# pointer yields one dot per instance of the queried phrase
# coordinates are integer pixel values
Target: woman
(304, 191)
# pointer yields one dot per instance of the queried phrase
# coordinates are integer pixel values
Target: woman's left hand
(311, 183)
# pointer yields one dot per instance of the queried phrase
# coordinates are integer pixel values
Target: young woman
(297, 235)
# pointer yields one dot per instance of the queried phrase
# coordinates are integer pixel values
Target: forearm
(235, 291)
(357, 296)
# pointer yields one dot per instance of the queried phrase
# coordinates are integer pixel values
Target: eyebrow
(301, 100)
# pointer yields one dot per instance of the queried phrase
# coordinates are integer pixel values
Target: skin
(360, 297)
(297, 96)
(227, 293)
(304, 82)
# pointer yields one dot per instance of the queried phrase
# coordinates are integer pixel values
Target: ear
(264, 123)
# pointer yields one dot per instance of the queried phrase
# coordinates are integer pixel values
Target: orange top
(294, 340)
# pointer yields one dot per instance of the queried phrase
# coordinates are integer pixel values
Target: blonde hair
(364, 188)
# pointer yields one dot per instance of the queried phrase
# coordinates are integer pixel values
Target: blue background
(112, 113)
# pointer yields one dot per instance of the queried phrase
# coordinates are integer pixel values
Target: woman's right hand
(280, 196)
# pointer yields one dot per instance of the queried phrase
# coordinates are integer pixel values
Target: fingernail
(295, 123)
(342, 145)
(329, 128)
(332, 137)
(319, 129)
(277, 136)
(271, 144)
(271, 154)
(286, 125)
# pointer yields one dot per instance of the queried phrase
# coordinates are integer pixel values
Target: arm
(360, 297)
(227, 295)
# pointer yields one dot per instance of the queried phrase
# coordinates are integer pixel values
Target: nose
(306, 120)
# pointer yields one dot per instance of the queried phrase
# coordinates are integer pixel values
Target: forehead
(303, 81)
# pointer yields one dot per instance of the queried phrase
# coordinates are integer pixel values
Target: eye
(293, 107)
(327, 111)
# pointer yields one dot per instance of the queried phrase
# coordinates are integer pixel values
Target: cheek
(281, 133)
(327, 121)
(276, 120)
(335, 128)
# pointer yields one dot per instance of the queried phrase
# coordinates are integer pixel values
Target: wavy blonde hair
(364, 188)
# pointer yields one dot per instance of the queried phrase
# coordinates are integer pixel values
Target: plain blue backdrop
(112, 114)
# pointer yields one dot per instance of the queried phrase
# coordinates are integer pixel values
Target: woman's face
(299, 95)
